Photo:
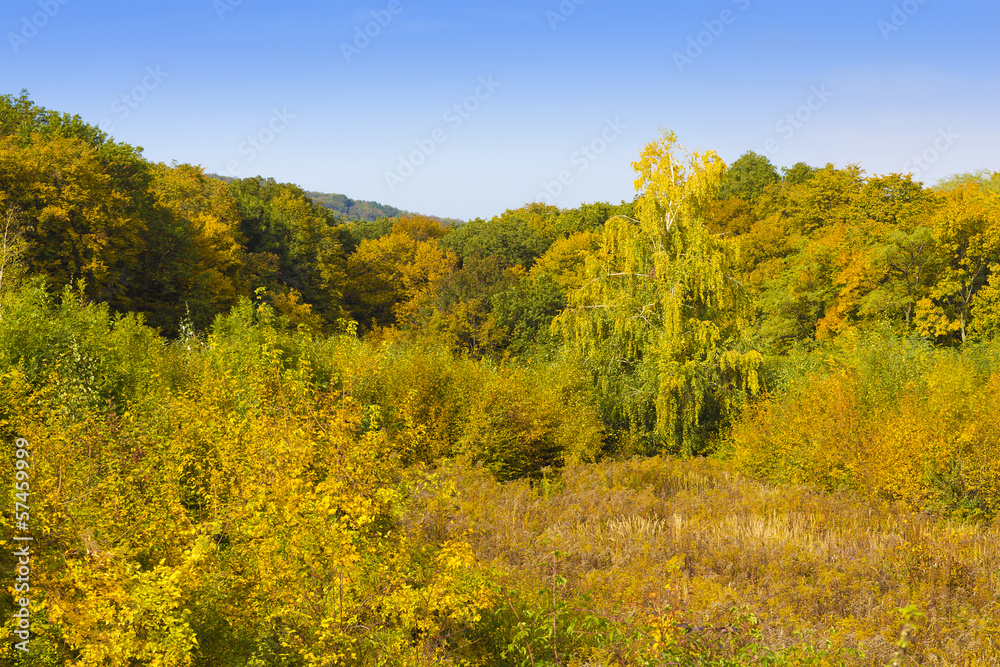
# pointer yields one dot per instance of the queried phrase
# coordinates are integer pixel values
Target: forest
(749, 417)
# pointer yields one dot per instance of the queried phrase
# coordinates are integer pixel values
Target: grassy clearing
(829, 578)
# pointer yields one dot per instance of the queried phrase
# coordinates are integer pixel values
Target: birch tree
(660, 321)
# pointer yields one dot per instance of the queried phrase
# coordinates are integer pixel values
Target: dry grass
(812, 566)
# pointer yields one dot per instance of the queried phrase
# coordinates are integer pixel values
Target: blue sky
(464, 109)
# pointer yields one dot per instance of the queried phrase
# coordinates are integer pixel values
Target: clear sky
(464, 109)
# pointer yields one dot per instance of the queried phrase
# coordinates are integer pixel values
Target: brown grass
(812, 566)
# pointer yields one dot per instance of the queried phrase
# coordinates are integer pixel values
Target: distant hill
(369, 211)
(354, 209)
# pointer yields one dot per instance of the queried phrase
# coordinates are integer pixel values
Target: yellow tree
(11, 246)
(660, 321)
(77, 223)
(565, 260)
(194, 256)
(390, 278)
(966, 232)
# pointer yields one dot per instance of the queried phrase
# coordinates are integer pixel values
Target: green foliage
(194, 256)
(91, 359)
(350, 209)
(458, 310)
(658, 321)
(834, 252)
(280, 222)
(747, 177)
(985, 178)
(589, 217)
(510, 238)
(797, 174)
(353, 233)
(523, 316)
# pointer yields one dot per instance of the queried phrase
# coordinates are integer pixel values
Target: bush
(886, 415)
(89, 358)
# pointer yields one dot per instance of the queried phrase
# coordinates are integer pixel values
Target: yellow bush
(814, 436)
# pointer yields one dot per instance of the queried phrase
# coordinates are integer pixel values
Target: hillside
(353, 209)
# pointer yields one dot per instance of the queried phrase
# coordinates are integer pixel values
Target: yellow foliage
(565, 260)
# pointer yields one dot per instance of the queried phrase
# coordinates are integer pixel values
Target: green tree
(77, 223)
(509, 238)
(542, 218)
(523, 315)
(193, 259)
(798, 246)
(590, 217)
(458, 310)
(983, 177)
(893, 245)
(293, 244)
(747, 177)
(797, 174)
